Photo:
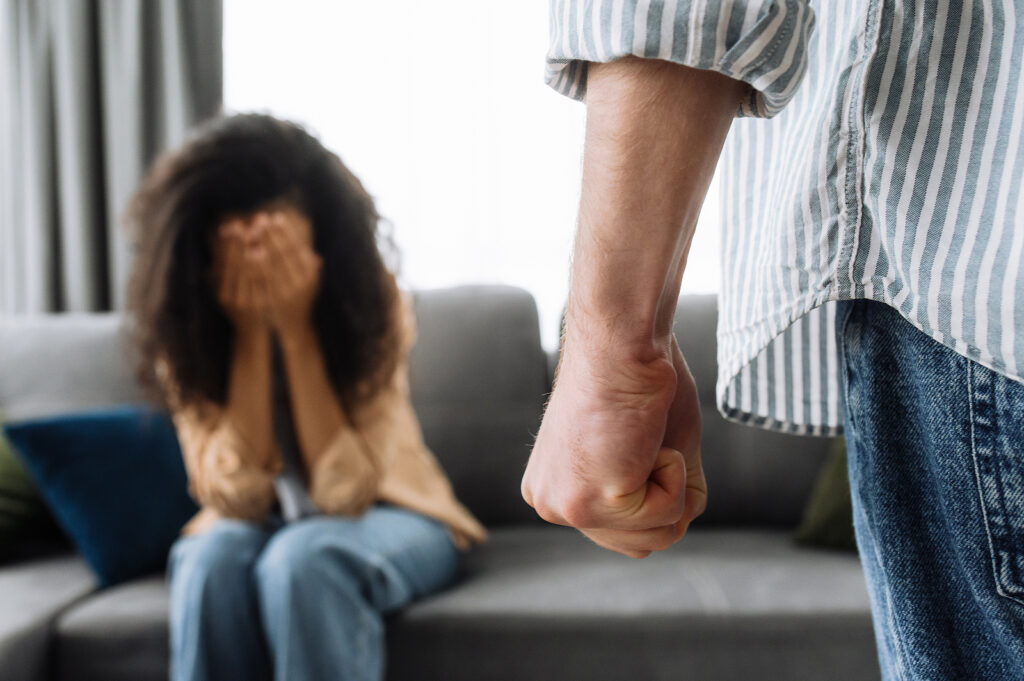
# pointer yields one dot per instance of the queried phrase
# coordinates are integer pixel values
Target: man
(872, 284)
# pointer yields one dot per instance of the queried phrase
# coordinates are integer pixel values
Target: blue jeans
(936, 455)
(300, 602)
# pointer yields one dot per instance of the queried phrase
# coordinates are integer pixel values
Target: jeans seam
(981, 493)
(900, 667)
(842, 357)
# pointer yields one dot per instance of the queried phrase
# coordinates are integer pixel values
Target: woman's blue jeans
(300, 602)
(936, 455)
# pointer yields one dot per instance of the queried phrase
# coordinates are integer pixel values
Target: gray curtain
(91, 91)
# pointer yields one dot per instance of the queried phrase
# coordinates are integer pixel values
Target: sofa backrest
(52, 364)
(477, 372)
(479, 381)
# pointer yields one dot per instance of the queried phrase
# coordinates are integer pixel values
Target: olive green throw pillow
(24, 518)
(828, 515)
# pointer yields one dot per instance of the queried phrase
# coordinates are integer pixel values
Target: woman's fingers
(243, 287)
(285, 249)
(242, 276)
(230, 268)
(241, 267)
(269, 270)
(257, 265)
(278, 274)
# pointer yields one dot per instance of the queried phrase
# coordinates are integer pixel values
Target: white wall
(440, 108)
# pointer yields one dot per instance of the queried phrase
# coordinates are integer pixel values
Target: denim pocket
(997, 435)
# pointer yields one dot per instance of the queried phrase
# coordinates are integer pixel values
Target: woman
(271, 329)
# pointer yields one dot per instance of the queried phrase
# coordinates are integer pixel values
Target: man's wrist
(614, 334)
(621, 305)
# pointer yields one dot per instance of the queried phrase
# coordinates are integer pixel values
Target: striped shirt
(892, 170)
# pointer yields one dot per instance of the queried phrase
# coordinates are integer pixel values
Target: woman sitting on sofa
(270, 327)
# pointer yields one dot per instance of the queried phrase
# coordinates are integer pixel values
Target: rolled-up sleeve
(345, 477)
(221, 468)
(760, 42)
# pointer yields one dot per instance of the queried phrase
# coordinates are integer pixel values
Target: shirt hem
(736, 415)
(835, 293)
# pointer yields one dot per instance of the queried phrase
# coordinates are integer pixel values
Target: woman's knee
(217, 561)
(294, 557)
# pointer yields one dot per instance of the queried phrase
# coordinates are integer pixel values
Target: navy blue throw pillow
(114, 480)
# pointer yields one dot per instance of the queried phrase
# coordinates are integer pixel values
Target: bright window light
(440, 108)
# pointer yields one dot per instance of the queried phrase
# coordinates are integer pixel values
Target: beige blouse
(378, 456)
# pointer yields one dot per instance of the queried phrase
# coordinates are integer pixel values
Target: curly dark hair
(236, 165)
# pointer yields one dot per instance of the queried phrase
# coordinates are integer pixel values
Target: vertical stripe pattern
(893, 170)
(761, 42)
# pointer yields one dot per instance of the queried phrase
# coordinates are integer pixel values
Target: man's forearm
(654, 134)
(618, 451)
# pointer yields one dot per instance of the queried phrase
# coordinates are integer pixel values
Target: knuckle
(546, 512)
(577, 512)
(557, 510)
(664, 541)
(526, 493)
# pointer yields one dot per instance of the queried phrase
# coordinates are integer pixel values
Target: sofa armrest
(34, 593)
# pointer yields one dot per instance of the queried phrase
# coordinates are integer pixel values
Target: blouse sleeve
(760, 42)
(347, 475)
(222, 469)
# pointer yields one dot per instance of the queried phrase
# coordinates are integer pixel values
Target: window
(440, 108)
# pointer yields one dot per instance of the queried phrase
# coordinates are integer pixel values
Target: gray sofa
(735, 600)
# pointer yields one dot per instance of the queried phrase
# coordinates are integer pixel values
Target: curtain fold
(92, 91)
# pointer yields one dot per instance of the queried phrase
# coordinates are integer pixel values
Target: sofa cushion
(115, 481)
(24, 518)
(33, 593)
(117, 634)
(542, 602)
(478, 377)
